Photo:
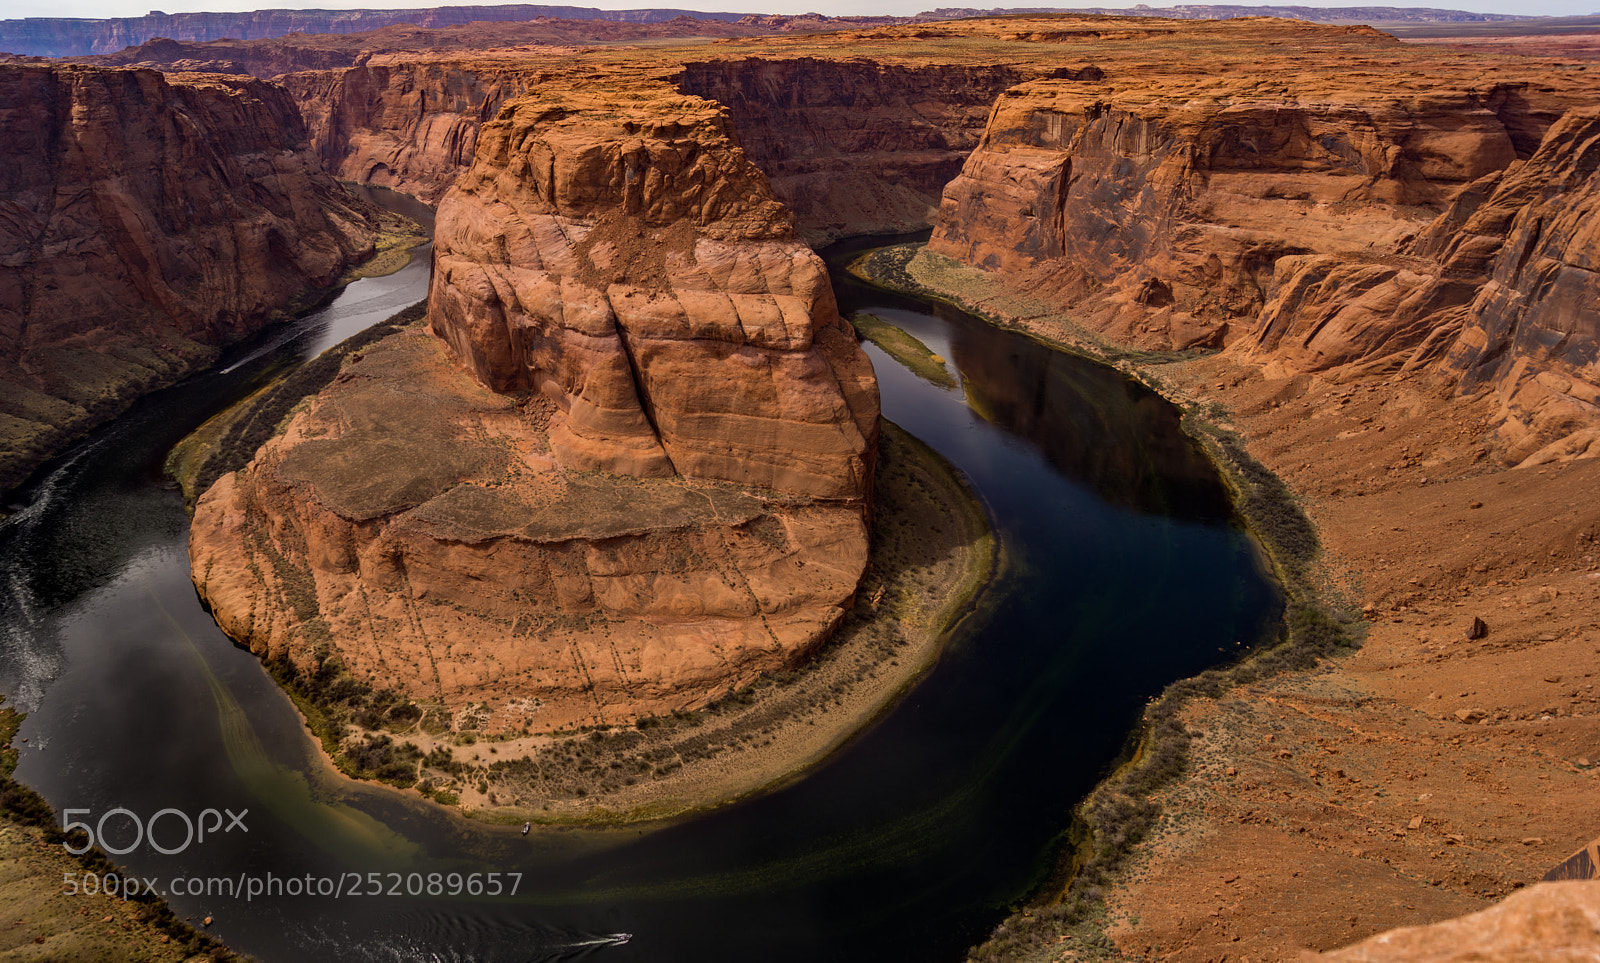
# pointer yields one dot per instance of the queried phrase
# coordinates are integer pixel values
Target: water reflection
(1092, 423)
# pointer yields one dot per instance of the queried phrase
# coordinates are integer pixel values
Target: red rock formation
(145, 220)
(854, 147)
(412, 127)
(1497, 292)
(842, 161)
(1162, 217)
(651, 488)
(1534, 328)
(1320, 225)
(640, 275)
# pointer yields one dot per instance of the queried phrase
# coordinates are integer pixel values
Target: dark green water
(1124, 573)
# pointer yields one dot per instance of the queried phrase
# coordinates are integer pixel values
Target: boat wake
(469, 941)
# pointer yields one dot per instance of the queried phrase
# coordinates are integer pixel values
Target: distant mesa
(75, 37)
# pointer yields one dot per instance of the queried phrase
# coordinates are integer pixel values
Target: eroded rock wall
(144, 221)
(854, 146)
(1533, 333)
(420, 530)
(628, 472)
(1497, 293)
(412, 127)
(639, 273)
(1441, 229)
(850, 146)
(1161, 217)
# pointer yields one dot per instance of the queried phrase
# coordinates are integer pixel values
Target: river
(1125, 570)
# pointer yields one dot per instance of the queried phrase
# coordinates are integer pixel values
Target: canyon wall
(1435, 228)
(1533, 332)
(146, 220)
(635, 458)
(1160, 215)
(851, 147)
(412, 127)
(1497, 292)
(854, 147)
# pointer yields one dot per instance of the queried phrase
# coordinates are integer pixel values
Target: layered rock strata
(850, 147)
(1498, 292)
(144, 221)
(411, 127)
(1316, 227)
(627, 473)
(855, 147)
(1162, 216)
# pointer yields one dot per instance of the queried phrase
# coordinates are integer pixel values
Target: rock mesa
(627, 472)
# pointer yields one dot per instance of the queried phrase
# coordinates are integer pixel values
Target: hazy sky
(134, 8)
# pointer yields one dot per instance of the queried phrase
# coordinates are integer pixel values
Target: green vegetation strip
(1121, 811)
(904, 348)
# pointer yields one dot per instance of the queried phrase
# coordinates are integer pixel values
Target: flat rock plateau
(629, 464)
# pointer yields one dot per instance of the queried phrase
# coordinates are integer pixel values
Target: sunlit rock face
(625, 470)
(636, 270)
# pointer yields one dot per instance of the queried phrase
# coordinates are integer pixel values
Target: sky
(134, 8)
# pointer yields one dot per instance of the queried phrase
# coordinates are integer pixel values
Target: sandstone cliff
(1162, 216)
(1533, 333)
(639, 478)
(1312, 222)
(146, 221)
(855, 146)
(1497, 292)
(410, 126)
(851, 146)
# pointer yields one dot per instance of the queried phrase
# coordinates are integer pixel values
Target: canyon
(149, 219)
(637, 460)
